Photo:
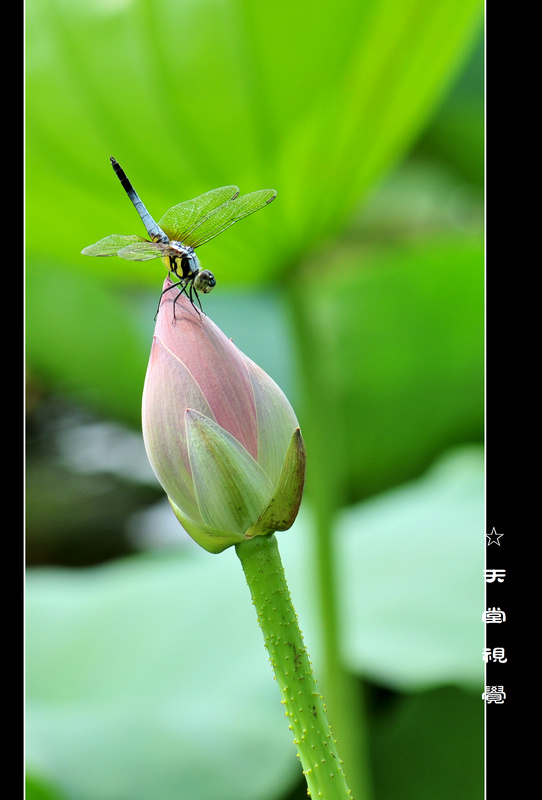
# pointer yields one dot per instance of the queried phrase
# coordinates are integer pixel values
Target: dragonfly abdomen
(153, 229)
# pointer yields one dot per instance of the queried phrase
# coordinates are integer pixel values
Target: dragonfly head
(204, 281)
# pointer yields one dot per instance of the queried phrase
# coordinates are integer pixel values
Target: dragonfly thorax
(183, 260)
(182, 250)
(185, 264)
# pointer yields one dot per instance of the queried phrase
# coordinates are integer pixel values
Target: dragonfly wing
(143, 251)
(226, 215)
(111, 245)
(179, 220)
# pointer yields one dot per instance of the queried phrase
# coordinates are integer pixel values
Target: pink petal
(214, 363)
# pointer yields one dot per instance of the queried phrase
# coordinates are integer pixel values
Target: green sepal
(284, 504)
(230, 486)
(211, 539)
(279, 514)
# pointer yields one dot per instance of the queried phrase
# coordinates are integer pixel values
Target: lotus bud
(220, 435)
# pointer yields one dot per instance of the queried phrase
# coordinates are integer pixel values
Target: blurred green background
(360, 290)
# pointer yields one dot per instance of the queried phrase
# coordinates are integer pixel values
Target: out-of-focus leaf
(84, 339)
(396, 337)
(148, 678)
(429, 746)
(190, 96)
(457, 135)
(39, 789)
(151, 672)
(411, 579)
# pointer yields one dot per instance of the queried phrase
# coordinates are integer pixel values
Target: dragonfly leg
(162, 293)
(183, 290)
(191, 292)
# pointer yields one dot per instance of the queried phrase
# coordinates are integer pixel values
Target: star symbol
(493, 537)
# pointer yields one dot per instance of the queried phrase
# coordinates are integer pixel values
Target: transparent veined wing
(143, 251)
(226, 215)
(179, 220)
(111, 245)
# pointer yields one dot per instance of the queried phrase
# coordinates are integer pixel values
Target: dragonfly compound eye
(204, 281)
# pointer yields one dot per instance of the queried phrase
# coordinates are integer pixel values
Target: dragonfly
(182, 229)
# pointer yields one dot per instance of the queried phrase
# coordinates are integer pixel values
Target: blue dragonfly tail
(153, 229)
